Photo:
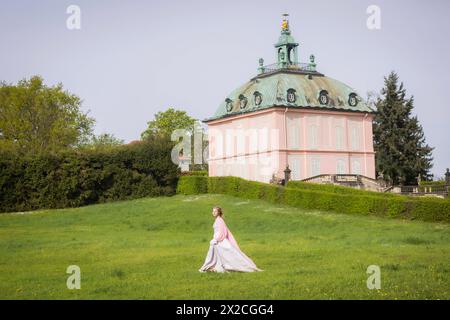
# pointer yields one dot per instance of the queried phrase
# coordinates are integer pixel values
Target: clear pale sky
(131, 59)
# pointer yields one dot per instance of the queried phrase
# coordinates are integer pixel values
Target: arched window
(242, 101)
(352, 99)
(258, 98)
(323, 97)
(281, 57)
(291, 96)
(229, 104)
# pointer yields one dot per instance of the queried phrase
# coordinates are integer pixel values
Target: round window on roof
(323, 97)
(352, 99)
(229, 104)
(242, 101)
(258, 98)
(291, 97)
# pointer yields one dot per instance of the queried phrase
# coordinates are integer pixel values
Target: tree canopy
(104, 141)
(36, 119)
(166, 122)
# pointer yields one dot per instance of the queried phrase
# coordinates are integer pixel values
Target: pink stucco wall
(257, 145)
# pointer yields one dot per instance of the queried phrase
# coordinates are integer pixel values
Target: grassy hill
(152, 248)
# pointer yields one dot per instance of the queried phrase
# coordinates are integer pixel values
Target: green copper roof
(273, 90)
(305, 86)
(285, 38)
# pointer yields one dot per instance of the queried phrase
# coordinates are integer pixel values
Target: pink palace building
(290, 114)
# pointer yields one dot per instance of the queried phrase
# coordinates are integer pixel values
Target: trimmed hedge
(358, 203)
(432, 183)
(74, 179)
(192, 184)
(332, 188)
(195, 173)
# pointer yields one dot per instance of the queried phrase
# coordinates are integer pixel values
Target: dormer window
(323, 97)
(352, 99)
(291, 97)
(229, 104)
(242, 101)
(258, 98)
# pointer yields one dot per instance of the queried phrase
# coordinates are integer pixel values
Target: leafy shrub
(75, 178)
(192, 185)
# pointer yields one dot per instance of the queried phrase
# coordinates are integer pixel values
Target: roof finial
(261, 65)
(312, 64)
(285, 22)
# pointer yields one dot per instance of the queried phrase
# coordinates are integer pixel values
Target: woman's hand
(213, 242)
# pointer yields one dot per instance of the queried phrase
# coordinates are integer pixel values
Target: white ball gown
(224, 253)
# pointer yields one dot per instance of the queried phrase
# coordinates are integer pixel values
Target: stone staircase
(351, 180)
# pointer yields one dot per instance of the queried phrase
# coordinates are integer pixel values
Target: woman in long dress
(224, 253)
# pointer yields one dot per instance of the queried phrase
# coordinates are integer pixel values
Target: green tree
(166, 122)
(402, 155)
(104, 141)
(36, 119)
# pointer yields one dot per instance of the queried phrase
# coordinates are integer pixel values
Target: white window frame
(340, 166)
(295, 165)
(315, 167)
(293, 133)
(313, 136)
(355, 138)
(339, 137)
(356, 166)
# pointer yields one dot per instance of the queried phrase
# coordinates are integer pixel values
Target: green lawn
(152, 248)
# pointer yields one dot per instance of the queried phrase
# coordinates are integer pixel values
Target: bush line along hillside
(195, 173)
(77, 178)
(321, 197)
(337, 189)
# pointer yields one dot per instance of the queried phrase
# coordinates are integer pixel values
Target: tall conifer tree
(402, 155)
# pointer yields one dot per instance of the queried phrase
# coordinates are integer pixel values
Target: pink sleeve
(221, 230)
